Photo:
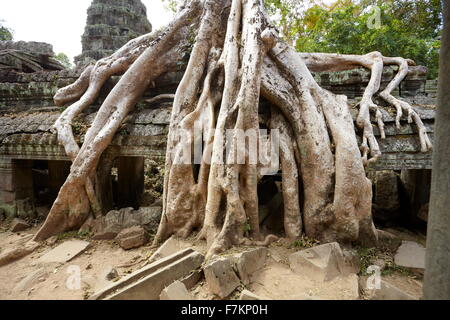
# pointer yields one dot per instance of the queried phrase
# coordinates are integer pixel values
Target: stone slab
(65, 252)
(411, 255)
(148, 282)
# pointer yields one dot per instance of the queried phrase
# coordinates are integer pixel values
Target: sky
(61, 22)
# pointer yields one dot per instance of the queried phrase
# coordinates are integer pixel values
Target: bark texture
(325, 190)
(437, 271)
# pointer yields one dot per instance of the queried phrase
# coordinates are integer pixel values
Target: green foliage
(5, 32)
(305, 243)
(64, 59)
(408, 28)
(172, 5)
(82, 235)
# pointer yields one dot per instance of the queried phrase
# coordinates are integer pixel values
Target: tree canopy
(407, 28)
(5, 32)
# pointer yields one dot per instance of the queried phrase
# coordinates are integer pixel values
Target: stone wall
(27, 114)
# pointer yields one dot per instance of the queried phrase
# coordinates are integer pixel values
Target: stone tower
(110, 24)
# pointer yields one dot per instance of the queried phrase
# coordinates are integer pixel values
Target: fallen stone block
(148, 282)
(247, 263)
(249, 296)
(171, 246)
(411, 255)
(18, 225)
(191, 280)
(64, 252)
(322, 263)
(176, 291)
(132, 238)
(221, 278)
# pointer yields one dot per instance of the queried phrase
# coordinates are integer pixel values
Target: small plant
(84, 234)
(305, 243)
(247, 228)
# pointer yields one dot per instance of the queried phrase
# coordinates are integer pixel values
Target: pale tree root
(17, 253)
(374, 61)
(337, 192)
(72, 206)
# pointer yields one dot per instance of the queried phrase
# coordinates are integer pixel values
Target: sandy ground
(27, 279)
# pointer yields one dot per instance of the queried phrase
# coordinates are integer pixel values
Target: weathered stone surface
(176, 291)
(148, 282)
(132, 238)
(386, 197)
(25, 208)
(109, 226)
(18, 225)
(247, 263)
(65, 252)
(249, 296)
(171, 246)
(30, 280)
(110, 274)
(110, 24)
(323, 263)
(411, 255)
(386, 291)
(27, 57)
(352, 263)
(221, 278)
(193, 279)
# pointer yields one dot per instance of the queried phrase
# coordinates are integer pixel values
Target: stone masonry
(111, 24)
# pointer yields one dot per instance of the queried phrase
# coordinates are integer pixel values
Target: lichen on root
(326, 192)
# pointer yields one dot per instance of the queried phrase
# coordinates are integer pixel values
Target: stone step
(148, 282)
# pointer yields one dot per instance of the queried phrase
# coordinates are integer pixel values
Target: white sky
(61, 22)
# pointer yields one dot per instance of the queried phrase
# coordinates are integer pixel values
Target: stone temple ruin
(33, 166)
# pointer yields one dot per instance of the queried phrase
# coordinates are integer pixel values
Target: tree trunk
(325, 190)
(437, 271)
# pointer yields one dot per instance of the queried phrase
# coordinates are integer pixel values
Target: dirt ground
(27, 279)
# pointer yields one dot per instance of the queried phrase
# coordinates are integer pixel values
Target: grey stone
(171, 246)
(247, 263)
(386, 291)
(65, 252)
(18, 225)
(30, 280)
(148, 282)
(25, 208)
(132, 238)
(221, 278)
(323, 263)
(249, 296)
(176, 291)
(111, 274)
(411, 255)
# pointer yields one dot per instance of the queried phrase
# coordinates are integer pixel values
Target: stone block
(65, 252)
(171, 246)
(132, 238)
(176, 291)
(247, 263)
(149, 282)
(323, 263)
(411, 255)
(221, 278)
(18, 225)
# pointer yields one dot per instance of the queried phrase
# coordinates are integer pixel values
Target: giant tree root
(17, 253)
(325, 189)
